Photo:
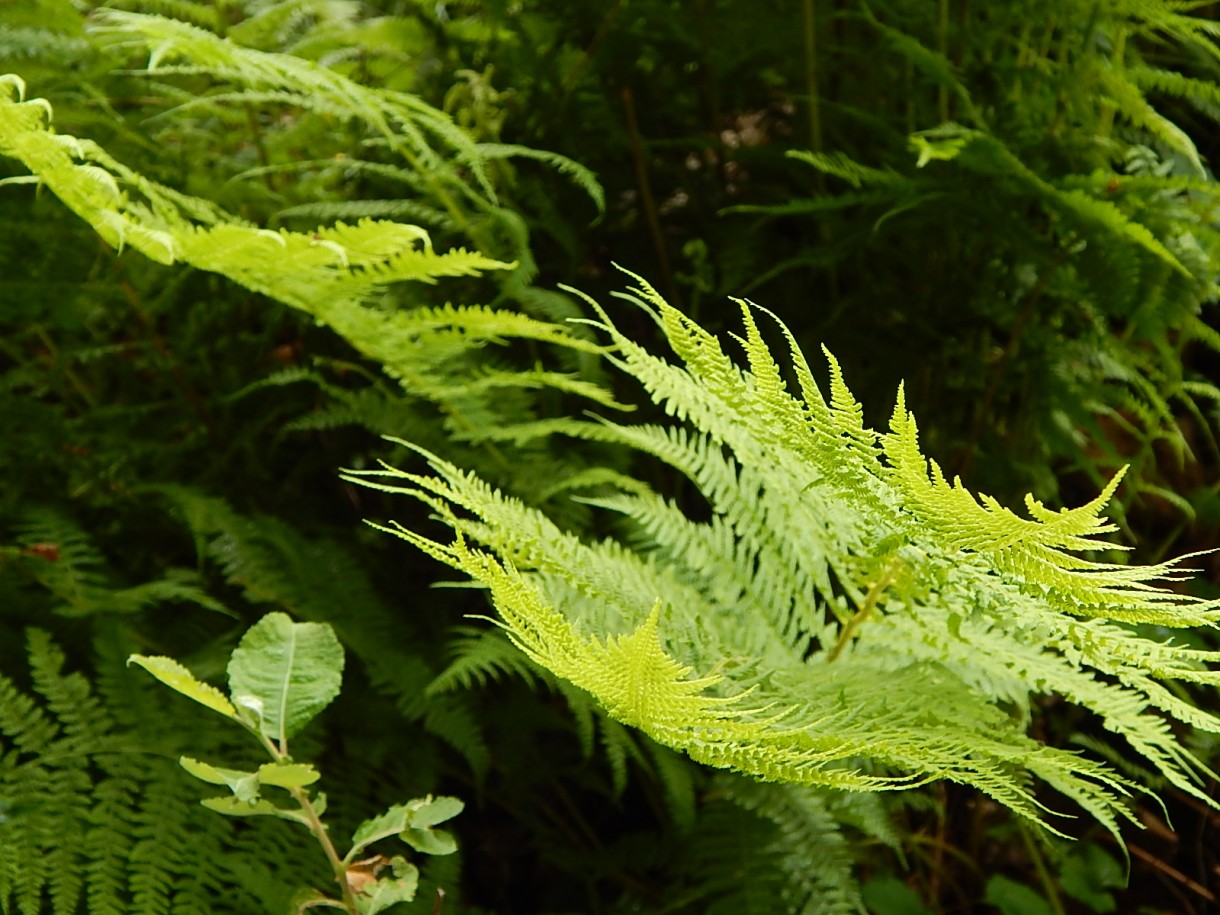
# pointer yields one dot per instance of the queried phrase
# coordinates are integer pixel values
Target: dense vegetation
(715, 645)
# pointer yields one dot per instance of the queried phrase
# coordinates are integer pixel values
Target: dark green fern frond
(480, 657)
(580, 175)
(63, 560)
(813, 854)
(96, 817)
(766, 847)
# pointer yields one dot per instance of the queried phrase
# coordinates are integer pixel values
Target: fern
(336, 274)
(316, 579)
(62, 560)
(1050, 191)
(762, 847)
(482, 656)
(845, 603)
(94, 817)
(404, 121)
(581, 176)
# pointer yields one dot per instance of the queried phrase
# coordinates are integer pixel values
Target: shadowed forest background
(1009, 208)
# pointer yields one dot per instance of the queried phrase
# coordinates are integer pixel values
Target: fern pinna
(847, 617)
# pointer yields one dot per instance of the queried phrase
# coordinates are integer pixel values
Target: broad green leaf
(1088, 874)
(232, 807)
(244, 785)
(430, 841)
(288, 775)
(429, 811)
(411, 821)
(177, 677)
(387, 891)
(308, 898)
(213, 775)
(291, 670)
(890, 896)
(390, 823)
(1013, 898)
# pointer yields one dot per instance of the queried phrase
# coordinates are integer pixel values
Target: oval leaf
(429, 811)
(373, 897)
(293, 670)
(232, 807)
(244, 785)
(390, 823)
(177, 677)
(288, 775)
(430, 841)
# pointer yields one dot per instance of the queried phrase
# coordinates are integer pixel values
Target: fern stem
(647, 203)
(260, 148)
(53, 351)
(866, 609)
(811, 79)
(193, 399)
(587, 53)
(942, 45)
(1105, 119)
(812, 90)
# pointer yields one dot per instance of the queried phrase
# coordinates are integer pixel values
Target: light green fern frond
(336, 274)
(844, 603)
(405, 122)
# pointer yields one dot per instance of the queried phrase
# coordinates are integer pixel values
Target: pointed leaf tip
(177, 677)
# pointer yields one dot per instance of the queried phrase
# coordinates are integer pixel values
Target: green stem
(813, 91)
(53, 352)
(811, 77)
(866, 608)
(318, 828)
(1105, 120)
(1044, 876)
(942, 45)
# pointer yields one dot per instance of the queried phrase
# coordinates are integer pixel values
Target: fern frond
(324, 211)
(402, 120)
(96, 817)
(581, 176)
(63, 560)
(839, 165)
(816, 857)
(332, 274)
(482, 656)
(1131, 103)
(845, 602)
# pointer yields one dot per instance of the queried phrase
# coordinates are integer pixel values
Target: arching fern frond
(406, 122)
(480, 657)
(337, 274)
(845, 603)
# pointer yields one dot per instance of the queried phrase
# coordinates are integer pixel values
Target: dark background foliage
(169, 441)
